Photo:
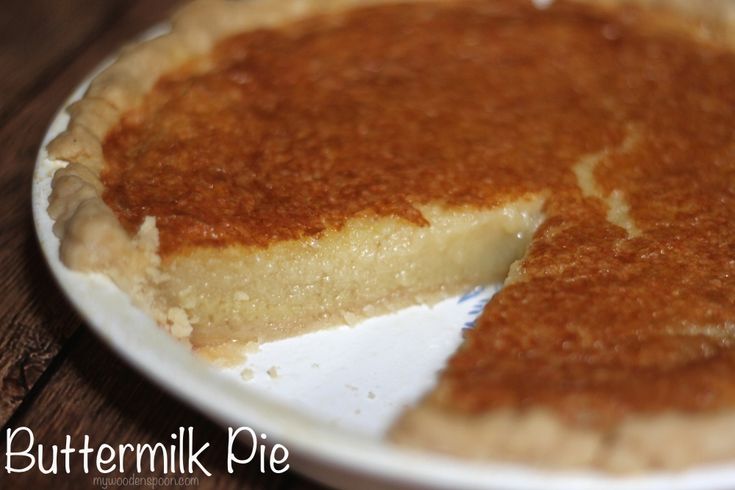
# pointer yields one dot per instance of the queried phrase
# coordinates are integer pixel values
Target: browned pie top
(293, 131)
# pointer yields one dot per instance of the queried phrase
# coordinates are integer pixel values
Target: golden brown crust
(195, 29)
(93, 239)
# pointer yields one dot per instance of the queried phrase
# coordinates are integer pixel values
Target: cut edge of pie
(369, 267)
(92, 239)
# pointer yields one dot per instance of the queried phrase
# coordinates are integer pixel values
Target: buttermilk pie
(269, 168)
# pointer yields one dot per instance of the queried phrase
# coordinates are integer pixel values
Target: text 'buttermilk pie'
(269, 168)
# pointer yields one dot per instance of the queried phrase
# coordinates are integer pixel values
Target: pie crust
(93, 239)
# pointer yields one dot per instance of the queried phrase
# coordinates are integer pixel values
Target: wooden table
(57, 378)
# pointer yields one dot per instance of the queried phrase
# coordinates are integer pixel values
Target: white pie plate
(336, 391)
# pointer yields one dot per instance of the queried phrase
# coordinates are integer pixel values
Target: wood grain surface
(57, 378)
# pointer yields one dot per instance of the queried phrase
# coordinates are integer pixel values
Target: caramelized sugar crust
(296, 130)
(284, 133)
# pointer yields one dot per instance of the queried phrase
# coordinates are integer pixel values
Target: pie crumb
(247, 374)
(273, 372)
(178, 322)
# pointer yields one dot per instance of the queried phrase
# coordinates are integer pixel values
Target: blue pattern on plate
(471, 294)
(478, 305)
